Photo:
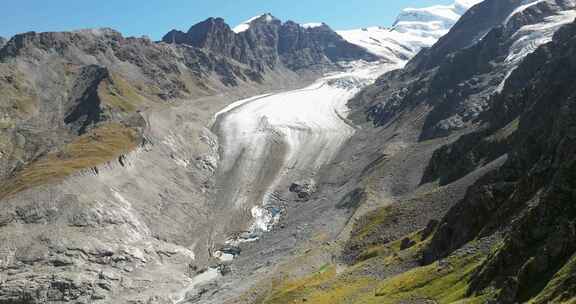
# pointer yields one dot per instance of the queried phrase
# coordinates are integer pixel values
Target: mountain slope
(460, 84)
(128, 175)
(108, 163)
(533, 190)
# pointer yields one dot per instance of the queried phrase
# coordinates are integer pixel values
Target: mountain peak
(414, 29)
(263, 18)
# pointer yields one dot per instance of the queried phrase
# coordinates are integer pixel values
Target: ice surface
(308, 126)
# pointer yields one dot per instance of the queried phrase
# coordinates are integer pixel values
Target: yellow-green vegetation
(445, 282)
(323, 287)
(99, 146)
(442, 284)
(392, 252)
(562, 287)
(119, 94)
(369, 223)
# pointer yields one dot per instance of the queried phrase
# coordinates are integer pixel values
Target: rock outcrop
(531, 197)
(453, 78)
(268, 42)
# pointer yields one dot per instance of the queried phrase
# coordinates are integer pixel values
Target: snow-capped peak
(414, 29)
(244, 26)
(312, 25)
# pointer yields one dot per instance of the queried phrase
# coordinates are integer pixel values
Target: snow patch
(527, 4)
(312, 25)
(528, 38)
(224, 257)
(264, 219)
(244, 26)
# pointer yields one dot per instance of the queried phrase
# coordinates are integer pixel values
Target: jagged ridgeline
(58, 85)
(241, 165)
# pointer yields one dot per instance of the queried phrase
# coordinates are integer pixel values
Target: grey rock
(269, 42)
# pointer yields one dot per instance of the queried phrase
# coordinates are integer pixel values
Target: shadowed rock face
(532, 195)
(453, 77)
(269, 42)
(518, 112)
(86, 107)
(2, 41)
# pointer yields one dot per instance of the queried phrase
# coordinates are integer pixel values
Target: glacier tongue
(270, 141)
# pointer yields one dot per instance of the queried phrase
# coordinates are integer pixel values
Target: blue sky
(154, 17)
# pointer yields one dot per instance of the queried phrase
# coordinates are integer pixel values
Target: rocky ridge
(457, 87)
(530, 196)
(268, 42)
(108, 161)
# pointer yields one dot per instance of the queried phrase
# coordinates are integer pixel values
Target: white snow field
(414, 29)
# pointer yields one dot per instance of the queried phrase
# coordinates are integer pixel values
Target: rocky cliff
(453, 76)
(267, 42)
(530, 198)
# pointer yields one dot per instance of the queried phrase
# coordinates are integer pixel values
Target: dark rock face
(453, 77)
(299, 47)
(473, 25)
(269, 42)
(531, 197)
(86, 109)
(517, 110)
(2, 41)
(303, 191)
